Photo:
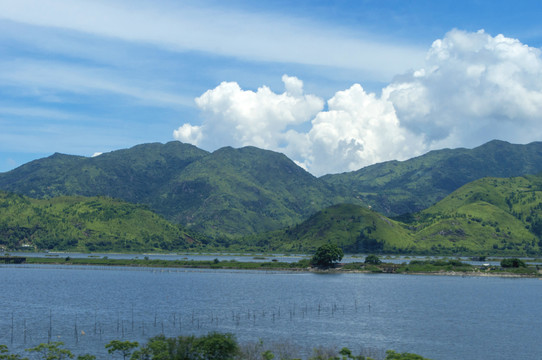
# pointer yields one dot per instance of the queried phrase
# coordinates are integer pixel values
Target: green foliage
(513, 263)
(86, 224)
(52, 351)
(125, 348)
(373, 260)
(213, 346)
(5, 355)
(339, 224)
(429, 266)
(249, 191)
(491, 216)
(395, 187)
(327, 255)
(223, 194)
(392, 355)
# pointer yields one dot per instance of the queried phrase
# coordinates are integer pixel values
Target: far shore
(446, 269)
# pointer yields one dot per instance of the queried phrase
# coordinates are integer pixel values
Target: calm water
(437, 317)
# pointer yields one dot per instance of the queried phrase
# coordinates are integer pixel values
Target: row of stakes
(192, 321)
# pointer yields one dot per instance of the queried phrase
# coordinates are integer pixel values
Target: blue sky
(335, 85)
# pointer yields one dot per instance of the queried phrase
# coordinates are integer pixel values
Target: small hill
(490, 216)
(354, 228)
(87, 224)
(399, 187)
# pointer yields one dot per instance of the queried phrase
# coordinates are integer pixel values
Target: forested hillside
(399, 187)
(87, 224)
(231, 193)
(490, 216)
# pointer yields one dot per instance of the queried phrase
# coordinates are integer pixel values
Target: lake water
(439, 317)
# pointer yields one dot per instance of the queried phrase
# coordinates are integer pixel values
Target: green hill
(247, 190)
(86, 224)
(231, 193)
(354, 228)
(137, 175)
(490, 216)
(398, 187)
(226, 193)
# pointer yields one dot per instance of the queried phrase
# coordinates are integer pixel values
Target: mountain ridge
(231, 193)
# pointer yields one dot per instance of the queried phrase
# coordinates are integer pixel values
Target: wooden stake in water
(76, 332)
(50, 327)
(12, 327)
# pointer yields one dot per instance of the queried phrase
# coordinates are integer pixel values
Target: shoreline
(384, 268)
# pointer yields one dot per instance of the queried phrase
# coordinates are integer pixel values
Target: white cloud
(189, 133)
(237, 117)
(358, 129)
(472, 88)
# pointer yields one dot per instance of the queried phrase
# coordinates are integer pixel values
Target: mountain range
(231, 193)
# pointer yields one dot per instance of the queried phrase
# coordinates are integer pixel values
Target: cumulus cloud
(472, 88)
(357, 130)
(237, 117)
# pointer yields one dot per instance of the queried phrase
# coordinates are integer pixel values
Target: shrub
(513, 263)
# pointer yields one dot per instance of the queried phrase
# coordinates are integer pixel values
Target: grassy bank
(435, 267)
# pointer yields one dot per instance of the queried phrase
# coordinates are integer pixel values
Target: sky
(334, 85)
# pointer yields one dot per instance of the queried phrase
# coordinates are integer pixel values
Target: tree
(373, 260)
(5, 355)
(512, 263)
(392, 355)
(216, 346)
(123, 347)
(52, 351)
(327, 255)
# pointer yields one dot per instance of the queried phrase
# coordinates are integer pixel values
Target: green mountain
(137, 175)
(247, 190)
(228, 192)
(236, 192)
(490, 216)
(86, 224)
(398, 187)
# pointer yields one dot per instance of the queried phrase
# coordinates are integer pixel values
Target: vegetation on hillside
(86, 224)
(253, 192)
(491, 216)
(224, 194)
(399, 187)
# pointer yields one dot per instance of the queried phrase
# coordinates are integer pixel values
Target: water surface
(439, 317)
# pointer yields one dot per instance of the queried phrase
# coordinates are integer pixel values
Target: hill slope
(395, 187)
(490, 216)
(225, 193)
(86, 224)
(354, 228)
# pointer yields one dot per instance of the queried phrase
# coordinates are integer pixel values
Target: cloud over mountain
(472, 88)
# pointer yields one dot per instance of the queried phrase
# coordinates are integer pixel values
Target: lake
(439, 317)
